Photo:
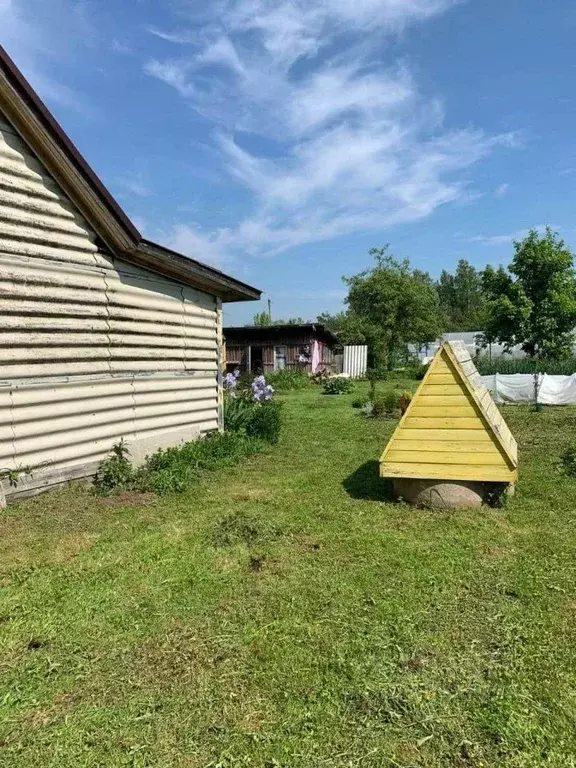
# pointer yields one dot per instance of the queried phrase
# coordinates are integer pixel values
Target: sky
(280, 140)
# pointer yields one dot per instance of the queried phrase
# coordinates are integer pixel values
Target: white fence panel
(355, 361)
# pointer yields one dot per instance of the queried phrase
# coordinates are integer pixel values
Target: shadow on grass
(366, 483)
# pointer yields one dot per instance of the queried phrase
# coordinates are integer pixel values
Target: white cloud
(501, 190)
(354, 146)
(37, 34)
(191, 242)
(507, 239)
(135, 184)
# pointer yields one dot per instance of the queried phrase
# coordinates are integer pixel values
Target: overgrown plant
(289, 380)
(569, 461)
(338, 387)
(13, 475)
(115, 472)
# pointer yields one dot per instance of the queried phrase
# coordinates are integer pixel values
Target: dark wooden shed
(270, 348)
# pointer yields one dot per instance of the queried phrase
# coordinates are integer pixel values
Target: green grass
(284, 613)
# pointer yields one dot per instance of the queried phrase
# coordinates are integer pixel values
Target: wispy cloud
(355, 145)
(502, 190)
(36, 34)
(508, 238)
(135, 184)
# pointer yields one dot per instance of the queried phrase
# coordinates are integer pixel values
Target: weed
(289, 380)
(115, 472)
(338, 386)
(569, 461)
(243, 527)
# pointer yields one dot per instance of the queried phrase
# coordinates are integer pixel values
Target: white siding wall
(91, 348)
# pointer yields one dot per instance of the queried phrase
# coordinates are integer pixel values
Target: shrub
(115, 472)
(391, 401)
(360, 402)
(285, 381)
(507, 365)
(378, 409)
(265, 422)
(569, 461)
(338, 387)
(404, 401)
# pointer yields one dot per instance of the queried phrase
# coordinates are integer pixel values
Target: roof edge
(191, 272)
(46, 138)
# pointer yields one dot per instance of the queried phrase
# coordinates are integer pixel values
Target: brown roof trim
(151, 256)
(37, 126)
(266, 330)
(29, 95)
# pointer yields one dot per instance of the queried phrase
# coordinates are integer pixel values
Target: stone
(441, 494)
(2, 497)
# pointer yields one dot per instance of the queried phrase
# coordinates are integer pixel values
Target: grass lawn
(286, 614)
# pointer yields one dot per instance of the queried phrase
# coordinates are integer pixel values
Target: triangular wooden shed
(452, 429)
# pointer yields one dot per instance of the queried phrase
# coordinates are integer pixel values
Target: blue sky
(281, 139)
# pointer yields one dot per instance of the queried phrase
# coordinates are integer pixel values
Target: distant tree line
(532, 303)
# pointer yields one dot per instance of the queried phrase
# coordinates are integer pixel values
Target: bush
(507, 365)
(265, 422)
(285, 381)
(360, 402)
(338, 387)
(387, 405)
(404, 401)
(569, 461)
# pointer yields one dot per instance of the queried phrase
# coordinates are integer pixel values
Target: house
(306, 347)
(103, 334)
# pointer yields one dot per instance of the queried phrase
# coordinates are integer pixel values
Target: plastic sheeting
(520, 388)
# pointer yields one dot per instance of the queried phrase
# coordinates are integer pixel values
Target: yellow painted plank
(439, 422)
(434, 387)
(494, 459)
(449, 472)
(450, 446)
(462, 435)
(444, 412)
(427, 400)
(438, 378)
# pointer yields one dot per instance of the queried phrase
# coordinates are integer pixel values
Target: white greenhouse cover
(519, 388)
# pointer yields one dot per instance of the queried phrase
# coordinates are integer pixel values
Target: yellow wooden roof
(452, 429)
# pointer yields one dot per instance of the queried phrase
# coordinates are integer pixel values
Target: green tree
(262, 319)
(394, 306)
(462, 300)
(349, 328)
(533, 304)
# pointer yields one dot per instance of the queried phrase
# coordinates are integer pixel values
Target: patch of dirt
(495, 551)
(127, 499)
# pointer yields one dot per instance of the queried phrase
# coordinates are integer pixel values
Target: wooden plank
(419, 422)
(444, 412)
(443, 384)
(449, 472)
(478, 436)
(441, 366)
(425, 400)
(451, 446)
(470, 458)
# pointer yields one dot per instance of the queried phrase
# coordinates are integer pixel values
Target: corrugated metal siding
(91, 348)
(355, 361)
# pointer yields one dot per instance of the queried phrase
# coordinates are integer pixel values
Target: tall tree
(533, 304)
(394, 306)
(261, 319)
(461, 298)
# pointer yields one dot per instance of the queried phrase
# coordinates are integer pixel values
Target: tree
(393, 306)
(533, 304)
(348, 327)
(461, 298)
(262, 319)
